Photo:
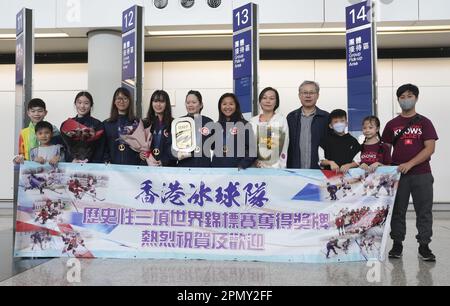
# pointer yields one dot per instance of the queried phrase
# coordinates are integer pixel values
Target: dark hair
(277, 96)
(114, 114)
(198, 95)
(87, 95)
(43, 125)
(337, 113)
(237, 116)
(408, 87)
(152, 118)
(376, 121)
(36, 102)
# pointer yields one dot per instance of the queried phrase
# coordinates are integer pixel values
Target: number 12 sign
(128, 19)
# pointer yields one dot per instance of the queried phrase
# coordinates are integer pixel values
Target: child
(413, 138)
(36, 111)
(338, 149)
(374, 153)
(45, 152)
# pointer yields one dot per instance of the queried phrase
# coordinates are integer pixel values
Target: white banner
(93, 210)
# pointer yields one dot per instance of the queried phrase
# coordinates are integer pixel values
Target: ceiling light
(36, 35)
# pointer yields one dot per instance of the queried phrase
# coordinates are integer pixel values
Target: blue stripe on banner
(177, 256)
(77, 219)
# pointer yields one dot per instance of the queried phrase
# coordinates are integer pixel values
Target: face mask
(339, 127)
(407, 105)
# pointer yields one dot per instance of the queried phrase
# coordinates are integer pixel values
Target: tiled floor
(408, 271)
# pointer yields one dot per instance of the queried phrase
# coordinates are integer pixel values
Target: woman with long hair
(83, 135)
(159, 118)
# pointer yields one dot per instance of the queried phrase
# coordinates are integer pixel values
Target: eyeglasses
(122, 99)
(308, 93)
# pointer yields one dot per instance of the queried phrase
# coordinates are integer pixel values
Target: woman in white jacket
(271, 131)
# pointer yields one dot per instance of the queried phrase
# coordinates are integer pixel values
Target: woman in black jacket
(159, 117)
(201, 157)
(238, 147)
(122, 121)
(83, 135)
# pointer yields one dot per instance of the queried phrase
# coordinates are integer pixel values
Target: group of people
(308, 138)
(349, 221)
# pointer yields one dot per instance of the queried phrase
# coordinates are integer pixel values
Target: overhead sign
(361, 63)
(246, 57)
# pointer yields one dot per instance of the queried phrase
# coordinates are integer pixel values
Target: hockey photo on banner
(110, 211)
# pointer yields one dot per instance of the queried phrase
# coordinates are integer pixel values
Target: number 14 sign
(359, 14)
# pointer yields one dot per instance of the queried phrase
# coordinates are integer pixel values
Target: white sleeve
(321, 155)
(357, 158)
(284, 151)
(254, 124)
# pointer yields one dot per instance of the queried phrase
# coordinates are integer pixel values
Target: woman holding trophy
(201, 126)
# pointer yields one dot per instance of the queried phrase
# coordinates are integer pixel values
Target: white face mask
(407, 104)
(339, 127)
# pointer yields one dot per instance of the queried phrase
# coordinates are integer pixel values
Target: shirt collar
(311, 115)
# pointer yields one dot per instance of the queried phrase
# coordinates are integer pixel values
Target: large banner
(108, 211)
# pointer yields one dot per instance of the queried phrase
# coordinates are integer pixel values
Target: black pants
(330, 249)
(421, 189)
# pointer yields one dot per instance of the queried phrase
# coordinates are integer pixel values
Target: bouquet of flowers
(79, 139)
(140, 141)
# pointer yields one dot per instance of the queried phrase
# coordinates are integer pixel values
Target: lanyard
(158, 137)
(227, 134)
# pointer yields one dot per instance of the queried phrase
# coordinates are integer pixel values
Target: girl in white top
(271, 131)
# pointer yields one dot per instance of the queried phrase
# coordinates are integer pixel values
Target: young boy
(338, 149)
(36, 111)
(413, 138)
(45, 152)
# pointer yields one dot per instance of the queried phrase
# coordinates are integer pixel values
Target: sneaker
(425, 253)
(396, 251)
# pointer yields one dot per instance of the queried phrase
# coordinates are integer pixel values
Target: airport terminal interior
(188, 45)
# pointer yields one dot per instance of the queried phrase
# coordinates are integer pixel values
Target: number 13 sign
(242, 17)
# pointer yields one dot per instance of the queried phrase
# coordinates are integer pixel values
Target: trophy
(183, 135)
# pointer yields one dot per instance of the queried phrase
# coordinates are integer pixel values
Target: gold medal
(156, 152)
(269, 143)
(121, 147)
